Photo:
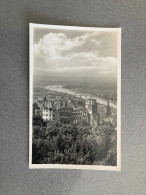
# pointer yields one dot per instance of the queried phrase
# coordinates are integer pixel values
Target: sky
(75, 53)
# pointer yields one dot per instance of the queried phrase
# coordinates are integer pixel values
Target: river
(61, 89)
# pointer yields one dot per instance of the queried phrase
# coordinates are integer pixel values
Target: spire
(108, 112)
(45, 101)
(108, 103)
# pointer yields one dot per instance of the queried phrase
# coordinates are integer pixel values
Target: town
(69, 110)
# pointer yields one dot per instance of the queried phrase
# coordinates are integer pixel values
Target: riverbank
(62, 89)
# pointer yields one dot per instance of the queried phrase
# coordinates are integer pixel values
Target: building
(108, 111)
(64, 115)
(66, 112)
(110, 117)
(91, 106)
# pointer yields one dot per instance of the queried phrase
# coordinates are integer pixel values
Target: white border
(64, 166)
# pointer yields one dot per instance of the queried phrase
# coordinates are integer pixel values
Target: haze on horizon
(75, 54)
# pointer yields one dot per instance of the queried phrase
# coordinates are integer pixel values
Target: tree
(35, 106)
(73, 144)
(37, 120)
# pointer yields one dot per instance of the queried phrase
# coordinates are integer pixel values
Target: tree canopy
(56, 143)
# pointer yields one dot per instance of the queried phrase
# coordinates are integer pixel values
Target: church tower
(45, 101)
(108, 110)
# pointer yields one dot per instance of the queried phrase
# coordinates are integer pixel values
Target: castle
(66, 112)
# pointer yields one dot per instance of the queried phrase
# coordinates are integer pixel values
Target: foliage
(38, 121)
(73, 144)
(35, 106)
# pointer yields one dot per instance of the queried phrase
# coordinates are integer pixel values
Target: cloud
(54, 44)
(57, 53)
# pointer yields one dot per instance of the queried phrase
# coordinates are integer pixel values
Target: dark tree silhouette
(73, 144)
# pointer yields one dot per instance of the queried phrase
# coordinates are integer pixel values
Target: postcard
(74, 97)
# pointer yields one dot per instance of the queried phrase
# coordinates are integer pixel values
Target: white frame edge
(66, 166)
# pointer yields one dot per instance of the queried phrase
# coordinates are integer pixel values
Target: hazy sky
(77, 53)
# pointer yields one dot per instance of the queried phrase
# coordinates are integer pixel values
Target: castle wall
(47, 114)
(67, 114)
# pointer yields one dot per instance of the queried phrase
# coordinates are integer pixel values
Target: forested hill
(55, 143)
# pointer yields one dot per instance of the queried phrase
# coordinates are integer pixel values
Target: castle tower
(47, 110)
(48, 113)
(91, 106)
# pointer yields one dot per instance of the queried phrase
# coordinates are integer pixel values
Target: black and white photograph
(74, 97)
